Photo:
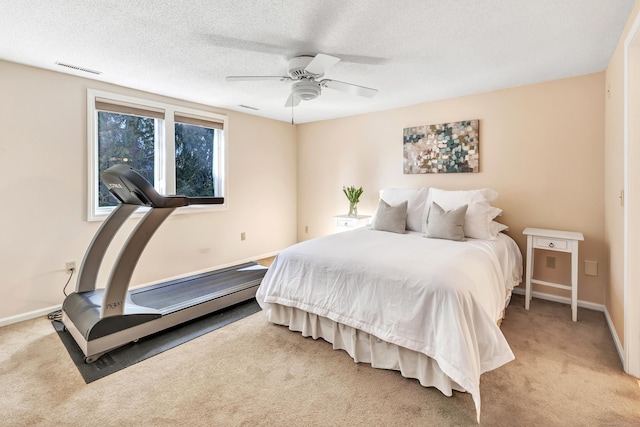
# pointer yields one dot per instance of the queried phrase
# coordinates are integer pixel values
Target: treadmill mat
(152, 345)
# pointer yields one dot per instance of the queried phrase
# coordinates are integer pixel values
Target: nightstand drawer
(347, 222)
(547, 243)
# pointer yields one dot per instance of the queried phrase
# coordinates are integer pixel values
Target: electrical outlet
(70, 266)
(590, 268)
(306, 228)
(243, 236)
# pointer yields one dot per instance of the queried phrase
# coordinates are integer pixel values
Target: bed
(427, 307)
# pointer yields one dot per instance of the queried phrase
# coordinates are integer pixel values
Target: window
(178, 150)
(195, 142)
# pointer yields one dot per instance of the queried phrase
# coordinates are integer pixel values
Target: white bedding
(436, 297)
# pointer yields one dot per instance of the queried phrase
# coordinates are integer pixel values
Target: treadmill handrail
(115, 292)
(206, 200)
(88, 273)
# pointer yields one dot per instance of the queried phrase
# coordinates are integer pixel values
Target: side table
(553, 240)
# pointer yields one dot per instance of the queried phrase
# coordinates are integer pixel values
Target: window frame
(164, 155)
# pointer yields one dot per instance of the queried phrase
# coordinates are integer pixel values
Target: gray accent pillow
(390, 218)
(446, 225)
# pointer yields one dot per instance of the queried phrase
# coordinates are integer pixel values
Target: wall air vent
(78, 68)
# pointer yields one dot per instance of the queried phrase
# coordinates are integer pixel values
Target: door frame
(631, 284)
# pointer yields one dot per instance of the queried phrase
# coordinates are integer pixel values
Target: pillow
(496, 228)
(477, 221)
(416, 200)
(390, 218)
(479, 214)
(449, 199)
(443, 224)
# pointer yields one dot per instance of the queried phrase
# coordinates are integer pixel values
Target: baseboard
(614, 334)
(563, 300)
(28, 316)
(44, 311)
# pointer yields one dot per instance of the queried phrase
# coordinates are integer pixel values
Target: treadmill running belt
(213, 283)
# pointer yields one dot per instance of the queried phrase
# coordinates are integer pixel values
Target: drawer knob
(551, 245)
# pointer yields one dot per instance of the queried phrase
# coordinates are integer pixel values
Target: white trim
(631, 359)
(564, 300)
(92, 158)
(6, 321)
(614, 335)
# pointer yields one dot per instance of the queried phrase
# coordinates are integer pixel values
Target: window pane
(123, 138)
(195, 151)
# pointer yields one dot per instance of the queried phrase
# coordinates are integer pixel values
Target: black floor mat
(154, 344)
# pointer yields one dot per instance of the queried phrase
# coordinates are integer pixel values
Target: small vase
(353, 209)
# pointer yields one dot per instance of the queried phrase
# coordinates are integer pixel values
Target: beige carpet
(254, 373)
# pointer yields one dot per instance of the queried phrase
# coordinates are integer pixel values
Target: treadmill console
(129, 187)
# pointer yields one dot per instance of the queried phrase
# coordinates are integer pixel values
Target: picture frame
(442, 148)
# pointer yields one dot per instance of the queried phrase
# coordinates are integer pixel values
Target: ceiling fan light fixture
(307, 89)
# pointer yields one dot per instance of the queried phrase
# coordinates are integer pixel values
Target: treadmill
(103, 319)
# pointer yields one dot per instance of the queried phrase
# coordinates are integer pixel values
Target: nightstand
(553, 240)
(346, 222)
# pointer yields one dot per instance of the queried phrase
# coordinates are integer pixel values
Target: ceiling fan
(305, 71)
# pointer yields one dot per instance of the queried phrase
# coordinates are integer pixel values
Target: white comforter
(438, 297)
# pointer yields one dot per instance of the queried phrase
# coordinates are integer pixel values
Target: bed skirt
(365, 348)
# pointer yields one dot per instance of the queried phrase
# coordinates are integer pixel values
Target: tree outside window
(123, 138)
(194, 160)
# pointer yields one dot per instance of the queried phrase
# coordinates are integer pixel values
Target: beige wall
(43, 192)
(541, 148)
(614, 179)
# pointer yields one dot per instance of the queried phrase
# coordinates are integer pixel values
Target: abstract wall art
(443, 148)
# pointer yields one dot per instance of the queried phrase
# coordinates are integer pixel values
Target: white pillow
(451, 199)
(477, 221)
(416, 199)
(480, 213)
(496, 228)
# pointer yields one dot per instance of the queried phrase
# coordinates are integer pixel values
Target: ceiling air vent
(78, 68)
(249, 107)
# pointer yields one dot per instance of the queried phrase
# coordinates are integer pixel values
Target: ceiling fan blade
(349, 88)
(292, 101)
(255, 78)
(286, 49)
(321, 63)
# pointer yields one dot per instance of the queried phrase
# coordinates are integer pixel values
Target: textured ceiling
(412, 51)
